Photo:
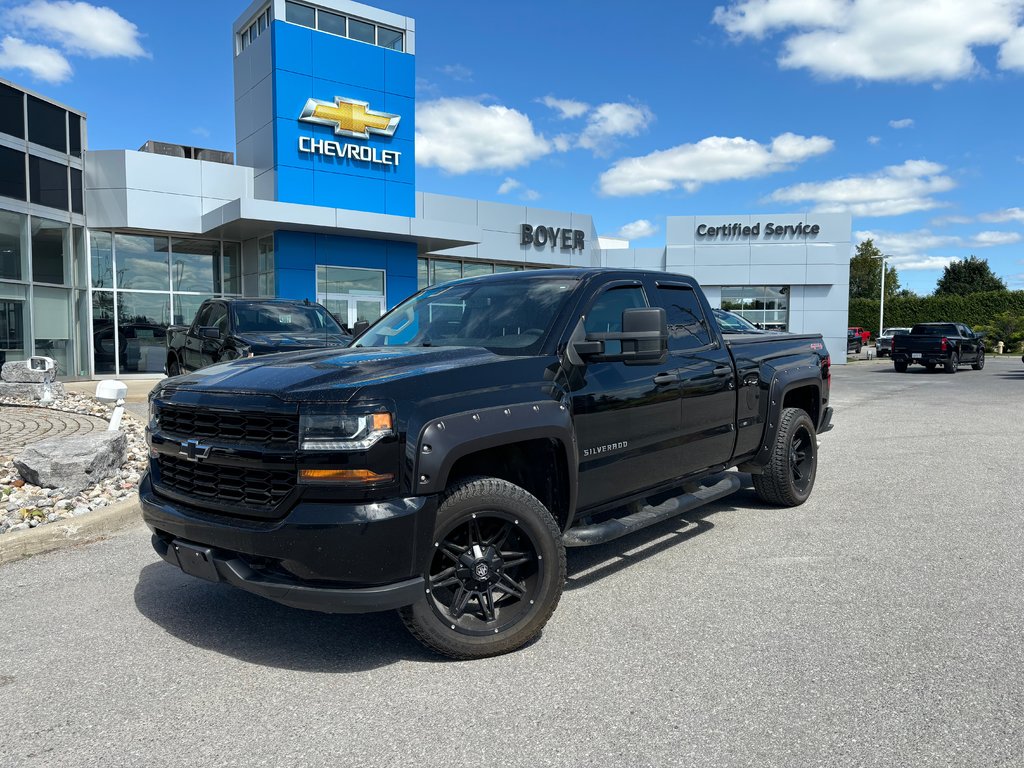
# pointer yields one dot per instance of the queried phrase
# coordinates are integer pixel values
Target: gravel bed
(24, 506)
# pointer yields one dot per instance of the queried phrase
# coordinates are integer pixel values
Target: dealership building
(100, 251)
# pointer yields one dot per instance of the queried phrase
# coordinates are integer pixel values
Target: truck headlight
(343, 432)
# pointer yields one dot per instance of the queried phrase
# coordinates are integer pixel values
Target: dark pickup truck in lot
(932, 344)
(229, 329)
(443, 462)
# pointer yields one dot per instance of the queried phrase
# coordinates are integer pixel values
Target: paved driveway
(880, 624)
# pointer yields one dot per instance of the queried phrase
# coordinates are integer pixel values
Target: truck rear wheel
(788, 478)
(980, 363)
(900, 366)
(953, 363)
(495, 575)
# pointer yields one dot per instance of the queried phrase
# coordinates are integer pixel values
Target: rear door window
(687, 326)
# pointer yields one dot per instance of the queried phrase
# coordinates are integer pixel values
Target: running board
(599, 533)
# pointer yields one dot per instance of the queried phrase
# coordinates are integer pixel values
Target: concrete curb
(69, 533)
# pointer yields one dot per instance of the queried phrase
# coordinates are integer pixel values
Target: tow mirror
(359, 327)
(209, 332)
(643, 340)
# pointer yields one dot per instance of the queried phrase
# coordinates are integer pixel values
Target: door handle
(666, 378)
(723, 371)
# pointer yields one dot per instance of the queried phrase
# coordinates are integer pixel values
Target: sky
(905, 113)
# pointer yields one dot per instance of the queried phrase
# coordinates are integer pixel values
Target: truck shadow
(233, 623)
(587, 565)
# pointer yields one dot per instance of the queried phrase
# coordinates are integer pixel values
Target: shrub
(975, 309)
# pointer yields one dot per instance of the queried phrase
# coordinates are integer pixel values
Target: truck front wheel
(495, 574)
(788, 478)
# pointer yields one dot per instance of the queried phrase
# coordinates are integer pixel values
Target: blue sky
(907, 113)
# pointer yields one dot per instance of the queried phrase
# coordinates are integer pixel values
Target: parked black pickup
(442, 464)
(229, 329)
(932, 344)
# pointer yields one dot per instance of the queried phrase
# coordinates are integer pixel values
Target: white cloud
(609, 121)
(912, 40)
(462, 135)
(530, 195)
(637, 230)
(457, 72)
(910, 249)
(1006, 214)
(943, 221)
(716, 158)
(989, 238)
(1011, 54)
(80, 28)
(563, 142)
(906, 122)
(42, 62)
(566, 108)
(508, 185)
(873, 140)
(895, 190)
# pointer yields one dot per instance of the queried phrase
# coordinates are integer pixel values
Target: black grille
(235, 486)
(236, 427)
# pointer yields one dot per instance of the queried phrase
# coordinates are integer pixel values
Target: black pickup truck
(442, 464)
(228, 329)
(932, 344)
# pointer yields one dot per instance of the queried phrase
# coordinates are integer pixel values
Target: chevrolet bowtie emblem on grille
(193, 450)
(349, 117)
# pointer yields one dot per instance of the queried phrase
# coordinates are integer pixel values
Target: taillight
(828, 370)
(945, 343)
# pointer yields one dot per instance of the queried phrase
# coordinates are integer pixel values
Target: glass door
(351, 295)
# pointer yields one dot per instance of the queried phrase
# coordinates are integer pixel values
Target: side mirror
(209, 332)
(359, 327)
(643, 340)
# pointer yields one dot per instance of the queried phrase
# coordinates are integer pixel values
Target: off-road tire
(776, 485)
(952, 363)
(481, 499)
(980, 363)
(900, 366)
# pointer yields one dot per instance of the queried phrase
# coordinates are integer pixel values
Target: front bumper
(328, 557)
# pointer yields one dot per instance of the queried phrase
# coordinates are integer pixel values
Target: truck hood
(327, 374)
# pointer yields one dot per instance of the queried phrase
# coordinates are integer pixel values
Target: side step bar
(599, 533)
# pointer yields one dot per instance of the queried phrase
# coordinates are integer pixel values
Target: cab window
(687, 326)
(605, 315)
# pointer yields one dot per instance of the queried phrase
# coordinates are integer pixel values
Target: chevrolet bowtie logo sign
(349, 117)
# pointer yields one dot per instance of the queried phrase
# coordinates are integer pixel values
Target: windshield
(943, 329)
(258, 317)
(730, 323)
(508, 317)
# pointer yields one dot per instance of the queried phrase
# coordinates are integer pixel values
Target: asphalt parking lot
(880, 624)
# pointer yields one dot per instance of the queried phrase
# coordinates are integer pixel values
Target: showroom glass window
(47, 124)
(50, 251)
(765, 306)
(12, 173)
(12, 112)
(48, 183)
(12, 245)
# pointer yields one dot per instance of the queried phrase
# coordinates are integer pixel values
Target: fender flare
(444, 440)
(782, 383)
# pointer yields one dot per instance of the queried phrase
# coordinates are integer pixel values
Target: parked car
(442, 463)
(227, 329)
(932, 344)
(730, 322)
(883, 344)
(864, 333)
(854, 341)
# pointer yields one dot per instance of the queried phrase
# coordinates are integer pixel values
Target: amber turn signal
(357, 476)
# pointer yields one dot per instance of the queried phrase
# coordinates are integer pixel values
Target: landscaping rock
(73, 463)
(18, 372)
(24, 391)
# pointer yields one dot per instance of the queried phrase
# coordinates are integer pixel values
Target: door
(192, 351)
(707, 380)
(626, 416)
(211, 350)
(969, 344)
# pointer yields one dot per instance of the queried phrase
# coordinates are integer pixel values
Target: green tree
(866, 273)
(1007, 327)
(970, 275)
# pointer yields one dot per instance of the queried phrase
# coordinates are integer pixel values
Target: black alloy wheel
(788, 478)
(495, 574)
(172, 367)
(953, 363)
(981, 360)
